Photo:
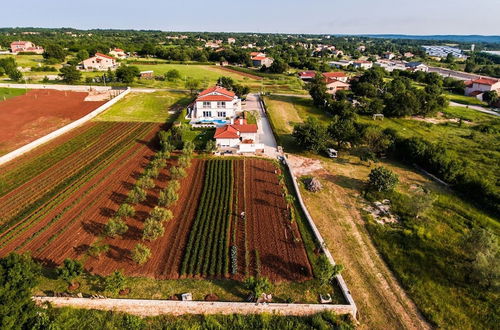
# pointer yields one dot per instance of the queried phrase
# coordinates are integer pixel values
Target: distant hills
(456, 38)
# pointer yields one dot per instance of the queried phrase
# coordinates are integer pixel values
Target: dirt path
(381, 301)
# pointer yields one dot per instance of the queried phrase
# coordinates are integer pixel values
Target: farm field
(145, 107)
(36, 113)
(6, 93)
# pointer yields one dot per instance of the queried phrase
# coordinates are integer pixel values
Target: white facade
(99, 62)
(482, 85)
(118, 53)
(216, 103)
(362, 64)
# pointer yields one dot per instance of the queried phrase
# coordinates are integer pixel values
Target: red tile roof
(307, 74)
(118, 50)
(214, 97)
(361, 61)
(333, 80)
(334, 74)
(246, 128)
(258, 58)
(231, 131)
(103, 55)
(485, 81)
(217, 89)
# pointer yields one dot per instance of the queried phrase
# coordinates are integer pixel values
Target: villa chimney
(232, 121)
(241, 121)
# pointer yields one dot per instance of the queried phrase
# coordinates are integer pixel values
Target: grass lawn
(28, 61)
(145, 107)
(469, 100)
(424, 253)
(148, 288)
(6, 93)
(286, 111)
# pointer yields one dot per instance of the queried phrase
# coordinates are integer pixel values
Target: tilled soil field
(30, 116)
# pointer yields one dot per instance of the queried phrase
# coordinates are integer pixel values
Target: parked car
(332, 153)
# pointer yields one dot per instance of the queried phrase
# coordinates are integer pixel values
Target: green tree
(192, 85)
(127, 73)
(484, 261)
(343, 130)
(325, 271)
(82, 54)
(210, 146)
(177, 173)
(278, 66)
(376, 140)
(491, 97)
(257, 285)
(15, 75)
(125, 210)
(54, 51)
(136, 195)
(184, 161)
(70, 270)
(114, 282)
(161, 214)
(115, 227)
(311, 135)
(141, 253)
(145, 182)
(172, 75)
(19, 274)
(152, 230)
(70, 74)
(382, 179)
(168, 196)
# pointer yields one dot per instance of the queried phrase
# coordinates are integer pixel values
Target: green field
(145, 107)
(6, 93)
(28, 61)
(464, 99)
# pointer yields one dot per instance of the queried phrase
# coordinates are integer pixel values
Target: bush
(168, 196)
(70, 269)
(145, 183)
(382, 179)
(115, 227)
(114, 282)
(184, 161)
(95, 250)
(125, 210)
(152, 230)
(257, 285)
(177, 173)
(141, 254)
(136, 195)
(161, 214)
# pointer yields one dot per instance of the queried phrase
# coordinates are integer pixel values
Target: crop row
(42, 206)
(39, 185)
(20, 174)
(207, 251)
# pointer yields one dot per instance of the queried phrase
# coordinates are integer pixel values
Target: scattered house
(362, 64)
(337, 52)
(211, 44)
(259, 61)
(361, 48)
(214, 106)
(340, 76)
(257, 54)
(307, 75)
(118, 53)
(478, 86)
(238, 134)
(98, 62)
(333, 85)
(391, 65)
(408, 55)
(340, 64)
(147, 74)
(417, 66)
(231, 41)
(388, 55)
(25, 46)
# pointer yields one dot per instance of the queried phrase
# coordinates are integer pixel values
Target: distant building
(416, 66)
(388, 55)
(362, 64)
(333, 85)
(481, 85)
(408, 55)
(215, 105)
(235, 134)
(391, 65)
(231, 41)
(307, 75)
(25, 46)
(361, 48)
(340, 64)
(443, 51)
(340, 76)
(259, 61)
(118, 53)
(147, 74)
(98, 62)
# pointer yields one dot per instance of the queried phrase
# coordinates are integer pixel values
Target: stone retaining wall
(158, 307)
(44, 139)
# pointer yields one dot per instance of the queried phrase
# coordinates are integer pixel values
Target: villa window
(206, 104)
(221, 104)
(207, 114)
(221, 114)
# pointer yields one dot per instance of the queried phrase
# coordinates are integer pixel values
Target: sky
(421, 17)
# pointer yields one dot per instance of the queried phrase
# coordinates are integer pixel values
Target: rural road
(475, 107)
(265, 131)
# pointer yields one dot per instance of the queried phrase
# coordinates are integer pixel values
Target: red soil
(27, 117)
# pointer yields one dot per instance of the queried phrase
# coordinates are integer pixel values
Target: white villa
(238, 135)
(214, 105)
(98, 62)
(118, 53)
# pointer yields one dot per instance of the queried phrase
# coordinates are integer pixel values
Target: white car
(332, 153)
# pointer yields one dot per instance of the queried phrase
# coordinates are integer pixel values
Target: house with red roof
(25, 46)
(478, 86)
(118, 53)
(334, 85)
(337, 75)
(215, 105)
(360, 64)
(98, 62)
(260, 59)
(307, 75)
(238, 134)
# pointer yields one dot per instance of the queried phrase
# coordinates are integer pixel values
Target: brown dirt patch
(30, 116)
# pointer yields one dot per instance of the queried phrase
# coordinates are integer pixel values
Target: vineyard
(103, 193)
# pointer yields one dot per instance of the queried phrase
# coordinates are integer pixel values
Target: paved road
(475, 107)
(265, 133)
